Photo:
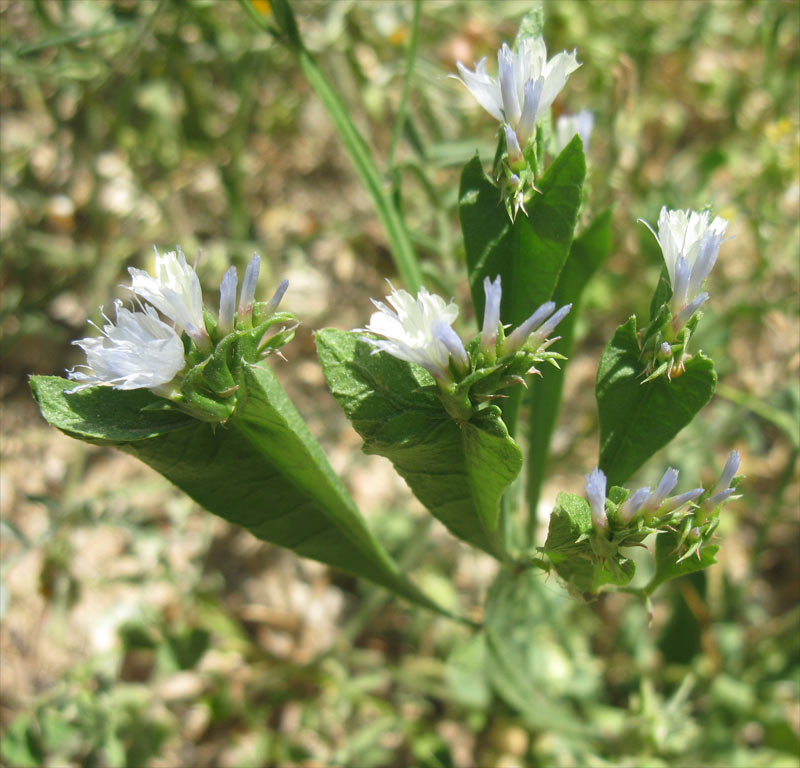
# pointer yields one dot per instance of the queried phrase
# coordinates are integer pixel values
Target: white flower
(418, 331)
(690, 246)
(174, 291)
(136, 351)
(568, 126)
(596, 494)
(525, 87)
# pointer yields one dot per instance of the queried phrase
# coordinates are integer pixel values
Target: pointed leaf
(637, 419)
(261, 469)
(458, 470)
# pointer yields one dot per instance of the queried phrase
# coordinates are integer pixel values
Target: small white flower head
(690, 245)
(568, 126)
(525, 87)
(536, 328)
(596, 495)
(174, 291)
(722, 490)
(491, 313)
(418, 331)
(136, 351)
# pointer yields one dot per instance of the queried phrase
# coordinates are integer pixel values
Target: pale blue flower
(631, 506)
(596, 494)
(665, 486)
(491, 313)
(536, 328)
(722, 490)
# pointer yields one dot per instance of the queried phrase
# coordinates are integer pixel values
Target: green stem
(402, 108)
(402, 250)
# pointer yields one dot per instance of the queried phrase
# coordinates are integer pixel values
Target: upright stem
(402, 251)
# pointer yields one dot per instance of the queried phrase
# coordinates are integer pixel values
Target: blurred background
(137, 630)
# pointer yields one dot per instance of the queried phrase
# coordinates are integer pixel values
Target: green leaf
(527, 253)
(261, 469)
(668, 552)
(458, 470)
(589, 250)
(572, 550)
(637, 419)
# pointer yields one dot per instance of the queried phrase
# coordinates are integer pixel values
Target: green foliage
(262, 470)
(524, 650)
(529, 252)
(672, 559)
(458, 470)
(587, 560)
(215, 141)
(637, 417)
(587, 253)
(532, 23)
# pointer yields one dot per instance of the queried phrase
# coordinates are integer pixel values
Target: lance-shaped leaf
(262, 469)
(636, 418)
(589, 250)
(457, 469)
(669, 562)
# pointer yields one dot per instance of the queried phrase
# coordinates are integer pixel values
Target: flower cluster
(526, 85)
(646, 511)
(168, 333)
(420, 330)
(136, 350)
(690, 246)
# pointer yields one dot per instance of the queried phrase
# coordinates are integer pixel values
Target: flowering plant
(191, 392)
